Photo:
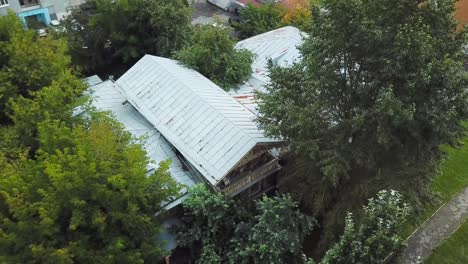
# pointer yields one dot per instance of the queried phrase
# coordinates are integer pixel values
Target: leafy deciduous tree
(212, 53)
(84, 198)
(377, 235)
(106, 31)
(27, 62)
(254, 20)
(381, 86)
(221, 231)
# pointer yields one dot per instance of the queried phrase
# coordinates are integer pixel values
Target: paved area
(439, 227)
(205, 13)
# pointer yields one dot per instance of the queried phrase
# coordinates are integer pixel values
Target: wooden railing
(251, 178)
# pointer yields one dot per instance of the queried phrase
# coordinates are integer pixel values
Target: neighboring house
(209, 136)
(281, 47)
(462, 13)
(38, 11)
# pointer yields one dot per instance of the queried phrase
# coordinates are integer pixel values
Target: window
(3, 3)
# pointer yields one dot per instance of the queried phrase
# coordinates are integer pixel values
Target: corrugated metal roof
(211, 129)
(107, 97)
(280, 46)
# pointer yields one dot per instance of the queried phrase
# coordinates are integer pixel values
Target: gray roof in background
(281, 46)
(107, 97)
(211, 129)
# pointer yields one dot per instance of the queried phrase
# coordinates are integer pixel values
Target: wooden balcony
(251, 178)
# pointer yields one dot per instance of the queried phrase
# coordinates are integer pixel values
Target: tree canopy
(221, 230)
(211, 52)
(104, 32)
(377, 234)
(379, 83)
(27, 62)
(254, 20)
(84, 198)
(380, 87)
(73, 188)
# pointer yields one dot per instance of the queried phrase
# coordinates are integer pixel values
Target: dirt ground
(205, 13)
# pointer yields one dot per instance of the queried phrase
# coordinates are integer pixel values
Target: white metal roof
(280, 46)
(211, 129)
(106, 97)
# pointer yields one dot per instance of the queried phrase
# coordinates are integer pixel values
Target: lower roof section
(106, 97)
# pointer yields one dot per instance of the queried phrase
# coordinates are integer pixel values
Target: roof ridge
(209, 104)
(257, 37)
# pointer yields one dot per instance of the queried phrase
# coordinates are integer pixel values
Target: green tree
(379, 82)
(56, 101)
(278, 232)
(377, 235)
(221, 230)
(123, 31)
(27, 62)
(84, 198)
(212, 219)
(212, 53)
(381, 86)
(254, 20)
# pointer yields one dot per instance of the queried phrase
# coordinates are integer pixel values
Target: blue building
(39, 12)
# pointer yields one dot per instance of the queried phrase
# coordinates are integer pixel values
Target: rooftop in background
(280, 46)
(462, 13)
(209, 128)
(107, 97)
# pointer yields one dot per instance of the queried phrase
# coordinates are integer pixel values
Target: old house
(209, 134)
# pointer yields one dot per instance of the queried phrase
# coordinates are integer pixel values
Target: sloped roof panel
(280, 46)
(106, 97)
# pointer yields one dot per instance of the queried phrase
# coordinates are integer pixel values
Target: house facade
(40, 11)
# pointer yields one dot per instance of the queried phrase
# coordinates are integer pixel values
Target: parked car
(42, 32)
(55, 25)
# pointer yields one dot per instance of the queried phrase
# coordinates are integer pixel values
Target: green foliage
(279, 230)
(55, 102)
(220, 230)
(207, 212)
(380, 88)
(72, 189)
(357, 102)
(27, 62)
(255, 20)
(84, 198)
(122, 31)
(377, 235)
(212, 53)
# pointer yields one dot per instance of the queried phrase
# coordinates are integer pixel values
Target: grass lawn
(452, 179)
(454, 250)
(454, 172)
